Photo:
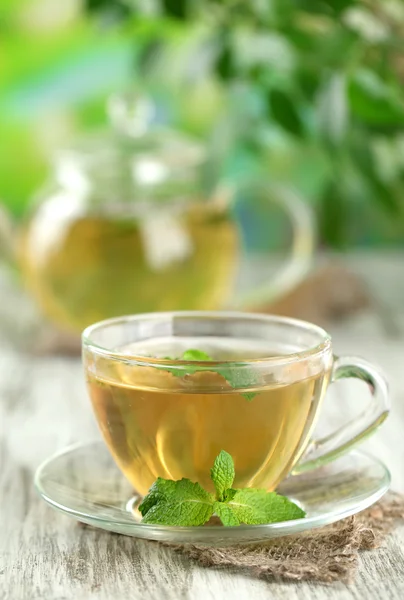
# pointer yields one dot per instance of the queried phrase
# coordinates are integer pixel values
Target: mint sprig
(185, 503)
(236, 378)
(176, 503)
(222, 474)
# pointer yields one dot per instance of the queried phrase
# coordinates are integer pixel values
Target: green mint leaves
(176, 503)
(184, 503)
(195, 355)
(236, 378)
(254, 507)
(222, 474)
(191, 354)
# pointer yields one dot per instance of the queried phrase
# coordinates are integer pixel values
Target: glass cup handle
(328, 448)
(300, 259)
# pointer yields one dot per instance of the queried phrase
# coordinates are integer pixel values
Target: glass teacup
(258, 396)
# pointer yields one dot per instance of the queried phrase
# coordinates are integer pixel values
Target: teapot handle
(299, 260)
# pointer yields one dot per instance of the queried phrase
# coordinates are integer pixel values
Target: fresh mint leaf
(195, 355)
(239, 377)
(235, 377)
(222, 473)
(159, 491)
(226, 514)
(256, 507)
(182, 503)
(229, 495)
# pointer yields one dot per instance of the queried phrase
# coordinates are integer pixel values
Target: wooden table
(45, 555)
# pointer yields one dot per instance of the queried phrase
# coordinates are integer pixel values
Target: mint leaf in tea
(158, 424)
(188, 504)
(195, 355)
(236, 377)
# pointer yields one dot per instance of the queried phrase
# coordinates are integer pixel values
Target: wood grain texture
(46, 555)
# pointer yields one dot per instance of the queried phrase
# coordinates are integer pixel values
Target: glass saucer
(84, 482)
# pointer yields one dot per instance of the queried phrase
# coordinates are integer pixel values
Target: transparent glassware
(228, 399)
(136, 218)
(84, 482)
(170, 417)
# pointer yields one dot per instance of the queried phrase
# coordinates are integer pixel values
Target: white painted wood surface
(45, 555)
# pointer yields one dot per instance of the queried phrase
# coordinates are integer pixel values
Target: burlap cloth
(325, 555)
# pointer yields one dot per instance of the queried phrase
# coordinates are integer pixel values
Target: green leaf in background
(116, 10)
(284, 112)
(375, 102)
(382, 195)
(323, 70)
(176, 8)
(327, 6)
(332, 220)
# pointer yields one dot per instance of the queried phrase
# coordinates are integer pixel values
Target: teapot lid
(135, 158)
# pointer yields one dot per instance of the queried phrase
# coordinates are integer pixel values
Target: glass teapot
(135, 220)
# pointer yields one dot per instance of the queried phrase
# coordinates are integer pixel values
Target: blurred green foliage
(314, 89)
(307, 92)
(55, 73)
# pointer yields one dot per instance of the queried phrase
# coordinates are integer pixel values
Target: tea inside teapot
(83, 268)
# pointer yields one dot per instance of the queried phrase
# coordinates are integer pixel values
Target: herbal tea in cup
(171, 390)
